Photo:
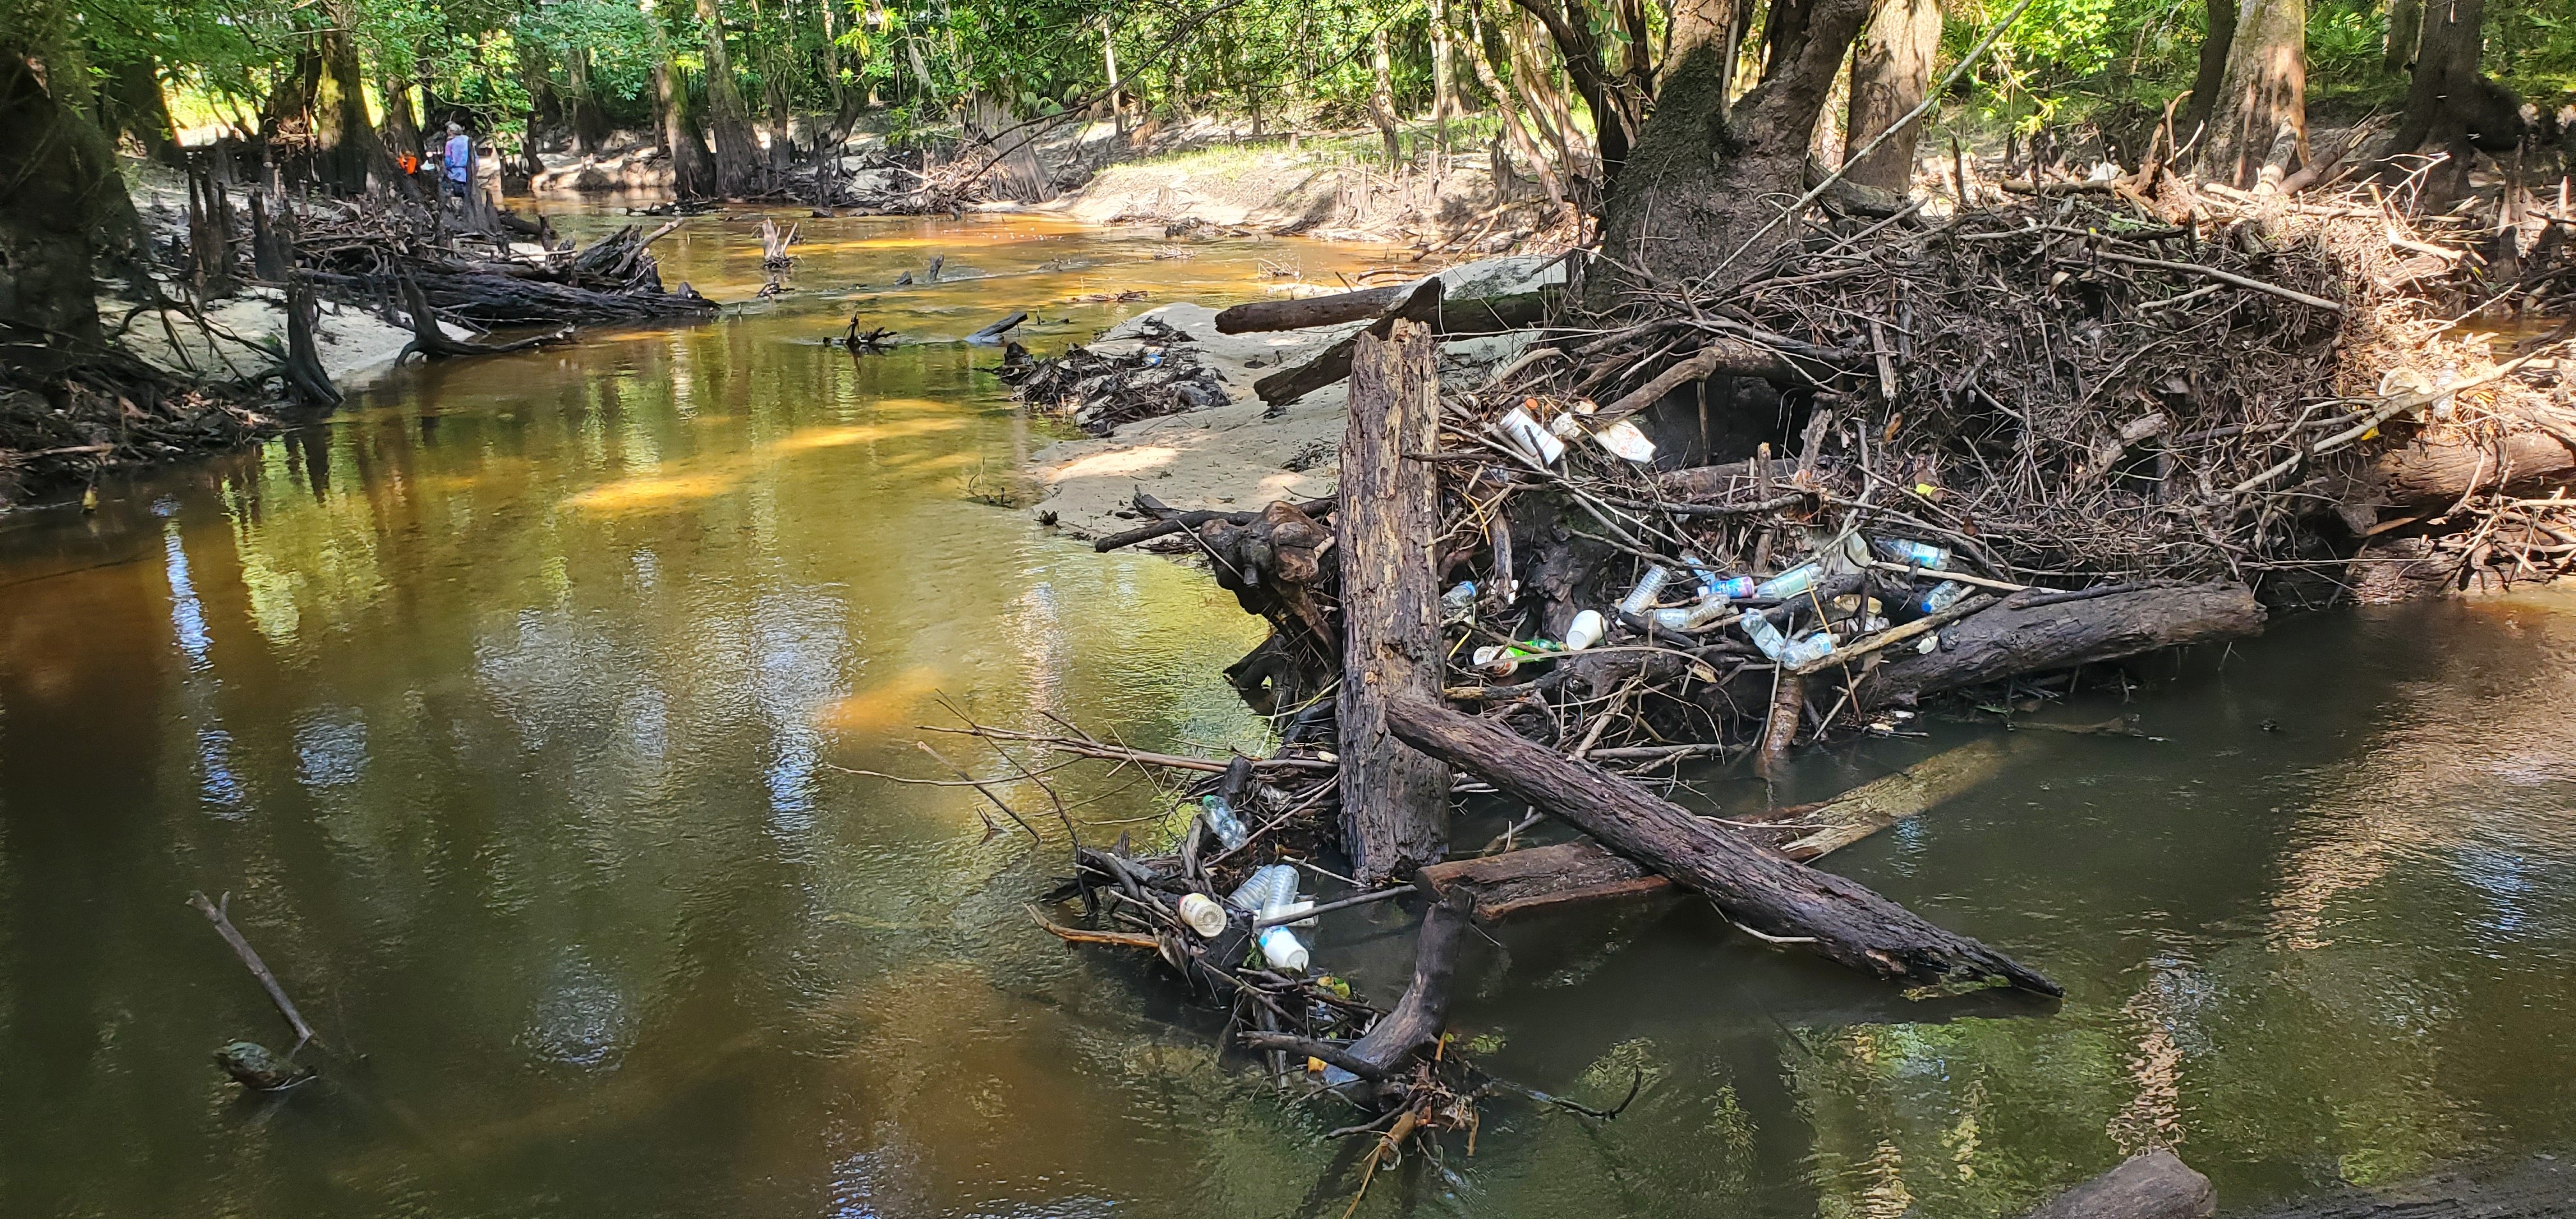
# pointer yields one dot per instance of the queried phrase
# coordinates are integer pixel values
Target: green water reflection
(517, 708)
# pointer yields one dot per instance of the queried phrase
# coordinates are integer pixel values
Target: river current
(518, 708)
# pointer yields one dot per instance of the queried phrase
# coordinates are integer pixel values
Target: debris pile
(1099, 387)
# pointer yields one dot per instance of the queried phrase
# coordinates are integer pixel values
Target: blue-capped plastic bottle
(1911, 553)
(1943, 595)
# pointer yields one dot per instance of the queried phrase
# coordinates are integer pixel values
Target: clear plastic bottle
(1272, 889)
(1911, 553)
(1809, 650)
(1650, 586)
(1765, 636)
(1790, 583)
(1459, 603)
(1223, 821)
(1943, 595)
(1693, 617)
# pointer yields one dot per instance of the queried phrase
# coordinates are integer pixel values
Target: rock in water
(253, 1067)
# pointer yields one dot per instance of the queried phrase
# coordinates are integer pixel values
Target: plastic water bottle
(1809, 650)
(1649, 587)
(1765, 636)
(1221, 819)
(1586, 630)
(1790, 583)
(1458, 603)
(1911, 553)
(1943, 595)
(1693, 617)
(1272, 889)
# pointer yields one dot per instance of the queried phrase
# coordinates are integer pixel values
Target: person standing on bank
(459, 161)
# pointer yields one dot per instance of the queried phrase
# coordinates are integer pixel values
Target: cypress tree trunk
(344, 134)
(2405, 25)
(2446, 67)
(2220, 31)
(1382, 95)
(135, 107)
(693, 168)
(2260, 120)
(728, 119)
(1703, 179)
(401, 132)
(57, 178)
(1893, 68)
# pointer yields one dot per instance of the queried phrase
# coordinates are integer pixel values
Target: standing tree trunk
(48, 190)
(2258, 127)
(2220, 31)
(2405, 25)
(728, 120)
(1395, 802)
(135, 107)
(1616, 118)
(1444, 84)
(1481, 54)
(1701, 183)
(2446, 82)
(581, 106)
(401, 131)
(693, 168)
(1889, 76)
(1382, 95)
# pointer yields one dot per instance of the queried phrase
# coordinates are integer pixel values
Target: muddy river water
(516, 708)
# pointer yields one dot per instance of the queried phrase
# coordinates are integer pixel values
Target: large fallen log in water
(1757, 888)
(1581, 872)
(2038, 632)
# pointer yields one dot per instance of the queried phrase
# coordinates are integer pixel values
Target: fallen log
(1418, 1018)
(1167, 521)
(2019, 637)
(2440, 472)
(993, 333)
(1755, 887)
(1449, 319)
(428, 339)
(1306, 312)
(2157, 1185)
(1583, 872)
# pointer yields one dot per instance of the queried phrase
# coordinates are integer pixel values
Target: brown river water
(516, 706)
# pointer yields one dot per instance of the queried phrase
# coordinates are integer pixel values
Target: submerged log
(1755, 887)
(1395, 802)
(2030, 633)
(2157, 1185)
(1582, 872)
(1419, 1016)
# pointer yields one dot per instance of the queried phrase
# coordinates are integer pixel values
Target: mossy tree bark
(1889, 76)
(2259, 120)
(57, 178)
(693, 168)
(1704, 178)
(134, 107)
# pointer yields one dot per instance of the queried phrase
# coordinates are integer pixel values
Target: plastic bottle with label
(1943, 595)
(1911, 553)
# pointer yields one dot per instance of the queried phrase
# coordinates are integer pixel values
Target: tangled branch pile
(1101, 386)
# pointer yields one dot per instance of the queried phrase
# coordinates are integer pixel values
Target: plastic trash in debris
(1911, 553)
(1693, 617)
(1332, 1076)
(1272, 889)
(1586, 630)
(1714, 587)
(1649, 587)
(1532, 439)
(1790, 583)
(1458, 603)
(1500, 660)
(1203, 914)
(1153, 357)
(1809, 650)
(1223, 821)
(1765, 636)
(1623, 440)
(1943, 595)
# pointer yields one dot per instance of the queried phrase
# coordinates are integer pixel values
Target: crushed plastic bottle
(1693, 617)
(1586, 630)
(1809, 650)
(1459, 603)
(1649, 587)
(1765, 636)
(1223, 821)
(1911, 553)
(1943, 595)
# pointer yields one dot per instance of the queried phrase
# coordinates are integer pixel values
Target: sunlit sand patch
(885, 707)
(932, 462)
(1116, 463)
(836, 435)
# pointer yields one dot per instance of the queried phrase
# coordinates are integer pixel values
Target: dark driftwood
(258, 969)
(1167, 521)
(994, 332)
(1756, 887)
(2439, 473)
(1395, 802)
(306, 380)
(2012, 639)
(1450, 319)
(1419, 1016)
(2157, 1185)
(1734, 480)
(432, 342)
(1581, 872)
(1308, 311)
